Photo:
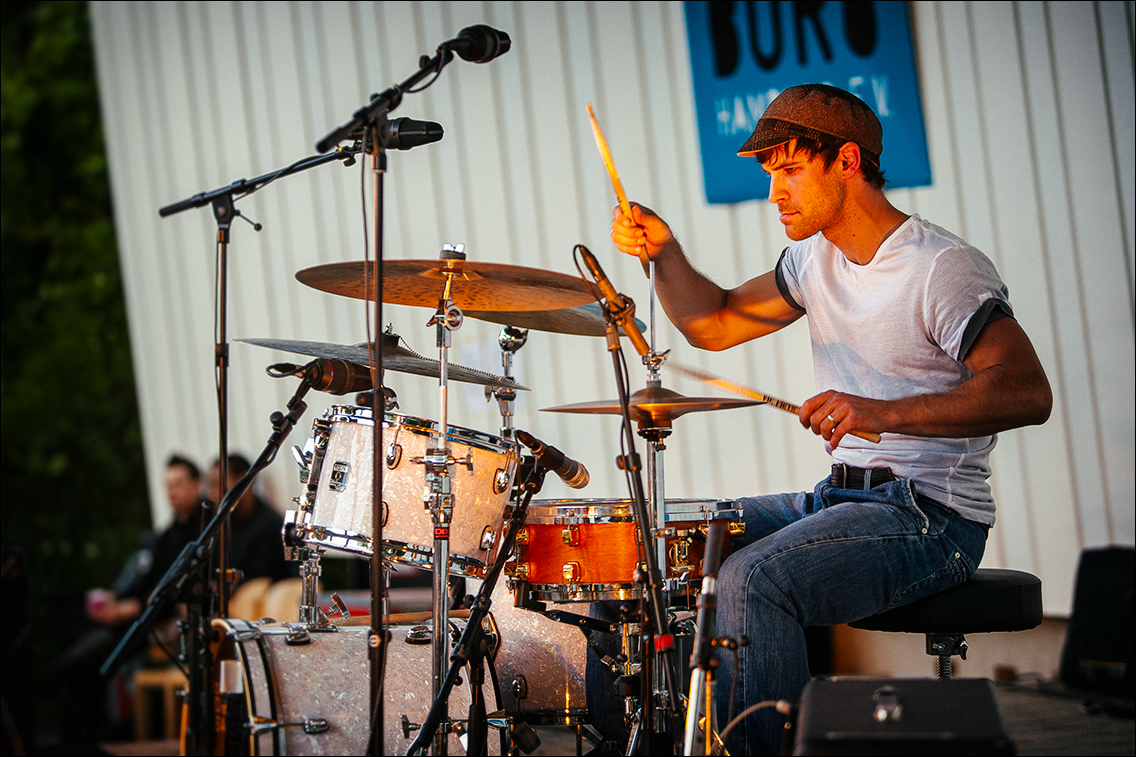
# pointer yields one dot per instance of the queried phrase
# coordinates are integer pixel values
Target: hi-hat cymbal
(476, 286)
(584, 320)
(395, 358)
(654, 407)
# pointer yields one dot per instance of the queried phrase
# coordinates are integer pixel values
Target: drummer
(913, 337)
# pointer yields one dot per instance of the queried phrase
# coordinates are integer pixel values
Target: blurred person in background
(124, 603)
(108, 613)
(257, 547)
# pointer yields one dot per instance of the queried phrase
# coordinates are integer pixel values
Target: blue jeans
(824, 558)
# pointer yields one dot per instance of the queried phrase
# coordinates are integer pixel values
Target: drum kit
(301, 687)
(616, 575)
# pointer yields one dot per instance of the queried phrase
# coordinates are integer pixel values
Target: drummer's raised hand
(645, 232)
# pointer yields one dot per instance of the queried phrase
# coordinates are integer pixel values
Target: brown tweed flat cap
(821, 112)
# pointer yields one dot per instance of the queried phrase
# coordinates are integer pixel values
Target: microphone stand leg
(636, 734)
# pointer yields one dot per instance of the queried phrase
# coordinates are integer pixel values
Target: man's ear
(849, 157)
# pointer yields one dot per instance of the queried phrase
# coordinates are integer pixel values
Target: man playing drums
(913, 338)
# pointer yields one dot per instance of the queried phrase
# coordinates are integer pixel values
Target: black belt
(848, 477)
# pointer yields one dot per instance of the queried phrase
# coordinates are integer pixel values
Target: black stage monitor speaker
(1099, 644)
(885, 716)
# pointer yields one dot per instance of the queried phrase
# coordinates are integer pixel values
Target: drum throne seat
(992, 600)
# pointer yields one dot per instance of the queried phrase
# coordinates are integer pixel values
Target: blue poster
(744, 53)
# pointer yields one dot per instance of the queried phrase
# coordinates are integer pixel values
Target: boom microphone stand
(478, 44)
(224, 211)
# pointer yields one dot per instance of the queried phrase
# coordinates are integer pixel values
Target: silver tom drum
(336, 510)
(540, 664)
(586, 550)
(314, 699)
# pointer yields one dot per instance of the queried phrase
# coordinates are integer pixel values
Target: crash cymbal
(477, 286)
(395, 358)
(584, 320)
(654, 407)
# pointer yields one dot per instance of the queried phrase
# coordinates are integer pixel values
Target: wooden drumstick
(745, 391)
(605, 153)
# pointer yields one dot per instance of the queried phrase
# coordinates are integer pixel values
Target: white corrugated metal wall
(1029, 110)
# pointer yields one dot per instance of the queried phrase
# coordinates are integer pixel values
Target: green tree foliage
(72, 478)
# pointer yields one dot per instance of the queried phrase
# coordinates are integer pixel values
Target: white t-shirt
(898, 327)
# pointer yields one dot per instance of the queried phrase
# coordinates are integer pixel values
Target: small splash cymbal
(395, 358)
(476, 286)
(654, 407)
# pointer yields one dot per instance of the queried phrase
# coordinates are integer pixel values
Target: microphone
(480, 43)
(405, 133)
(571, 472)
(616, 302)
(331, 376)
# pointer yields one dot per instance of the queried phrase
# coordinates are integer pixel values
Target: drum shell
(551, 656)
(330, 678)
(341, 505)
(587, 550)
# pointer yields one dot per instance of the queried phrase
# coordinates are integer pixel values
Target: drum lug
(736, 528)
(522, 536)
(501, 480)
(488, 539)
(571, 536)
(679, 554)
(517, 570)
(571, 572)
(394, 455)
(520, 687)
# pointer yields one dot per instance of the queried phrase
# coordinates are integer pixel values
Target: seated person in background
(257, 544)
(183, 487)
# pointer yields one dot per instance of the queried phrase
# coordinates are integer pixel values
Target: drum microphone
(616, 302)
(479, 44)
(405, 133)
(331, 376)
(571, 472)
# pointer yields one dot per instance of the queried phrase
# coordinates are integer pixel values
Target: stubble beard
(826, 211)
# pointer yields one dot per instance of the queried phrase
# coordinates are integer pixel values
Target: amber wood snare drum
(586, 550)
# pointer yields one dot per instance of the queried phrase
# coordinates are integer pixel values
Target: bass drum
(275, 698)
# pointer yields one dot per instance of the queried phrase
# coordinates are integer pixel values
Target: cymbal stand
(655, 605)
(472, 650)
(511, 339)
(439, 497)
(655, 432)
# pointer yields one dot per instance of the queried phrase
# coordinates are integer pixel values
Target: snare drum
(586, 550)
(314, 699)
(336, 514)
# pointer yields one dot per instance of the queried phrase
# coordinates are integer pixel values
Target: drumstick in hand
(745, 391)
(605, 153)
